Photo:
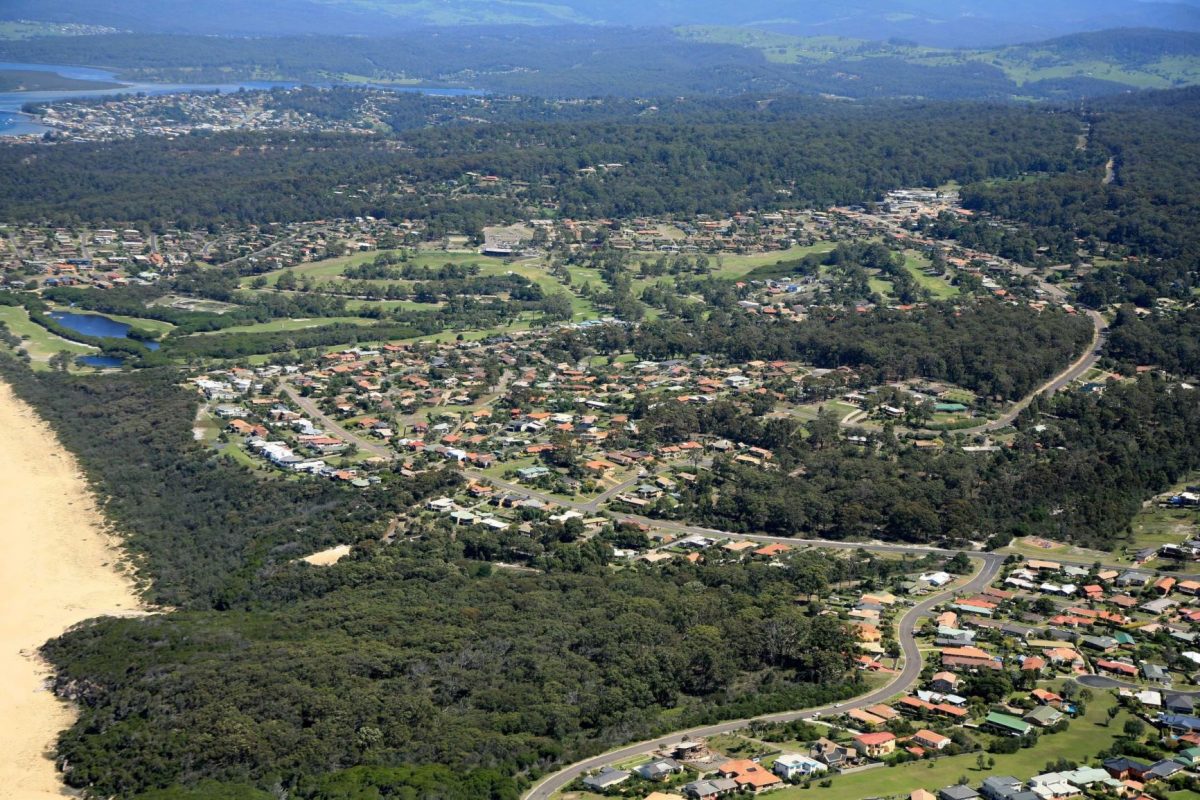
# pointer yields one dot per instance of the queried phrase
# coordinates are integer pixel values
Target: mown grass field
(533, 269)
(333, 267)
(739, 266)
(939, 287)
(290, 325)
(39, 342)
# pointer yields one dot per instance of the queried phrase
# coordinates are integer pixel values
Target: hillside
(968, 23)
(580, 60)
(1085, 63)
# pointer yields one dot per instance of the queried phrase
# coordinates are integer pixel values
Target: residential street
(907, 678)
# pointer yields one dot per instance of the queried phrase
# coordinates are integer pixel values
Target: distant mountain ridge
(598, 61)
(943, 23)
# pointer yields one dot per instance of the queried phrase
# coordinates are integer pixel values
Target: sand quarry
(59, 567)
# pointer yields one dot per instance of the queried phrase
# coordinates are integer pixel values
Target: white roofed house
(792, 766)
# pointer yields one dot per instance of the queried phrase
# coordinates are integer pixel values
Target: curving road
(310, 407)
(555, 782)
(1059, 382)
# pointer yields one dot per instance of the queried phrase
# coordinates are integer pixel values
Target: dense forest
(1142, 212)
(1166, 339)
(412, 654)
(200, 526)
(998, 350)
(795, 153)
(1080, 478)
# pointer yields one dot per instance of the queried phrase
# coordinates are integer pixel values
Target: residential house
(875, 745)
(660, 770)
(1004, 787)
(749, 775)
(957, 792)
(1043, 716)
(1006, 724)
(1124, 768)
(1155, 674)
(793, 766)
(930, 740)
(710, 789)
(944, 682)
(606, 778)
(831, 753)
(865, 718)
(1178, 704)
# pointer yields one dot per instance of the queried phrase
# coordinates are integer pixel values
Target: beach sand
(57, 567)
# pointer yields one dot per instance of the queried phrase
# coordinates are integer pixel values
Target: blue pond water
(101, 362)
(15, 123)
(96, 325)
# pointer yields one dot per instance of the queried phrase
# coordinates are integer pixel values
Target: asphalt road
(902, 683)
(365, 445)
(1065, 378)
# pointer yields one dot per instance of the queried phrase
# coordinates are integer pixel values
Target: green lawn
(241, 456)
(1155, 526)
(291, 325)
(939, 287)
(533, 269)
(881, 287)
(332, 267)
(391, 305)
(39, 342)
(738, 266)
(1080, 743)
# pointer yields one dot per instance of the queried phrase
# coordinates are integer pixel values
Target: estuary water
(15, 123)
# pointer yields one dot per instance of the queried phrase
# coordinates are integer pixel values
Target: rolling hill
(944, 23)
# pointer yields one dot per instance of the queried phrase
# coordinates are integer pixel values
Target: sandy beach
(58, 567)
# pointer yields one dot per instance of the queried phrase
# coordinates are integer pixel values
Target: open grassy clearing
(191, 304)
(390, 305)
(780, 48)
(1155, 525)
(1024, 547)
(39, 342)
(330, 271)
(738, 266)
(1159, 526)
(1021, 64)
(291, 325)
(333, 267)
(939, 287)
(1023, 70)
